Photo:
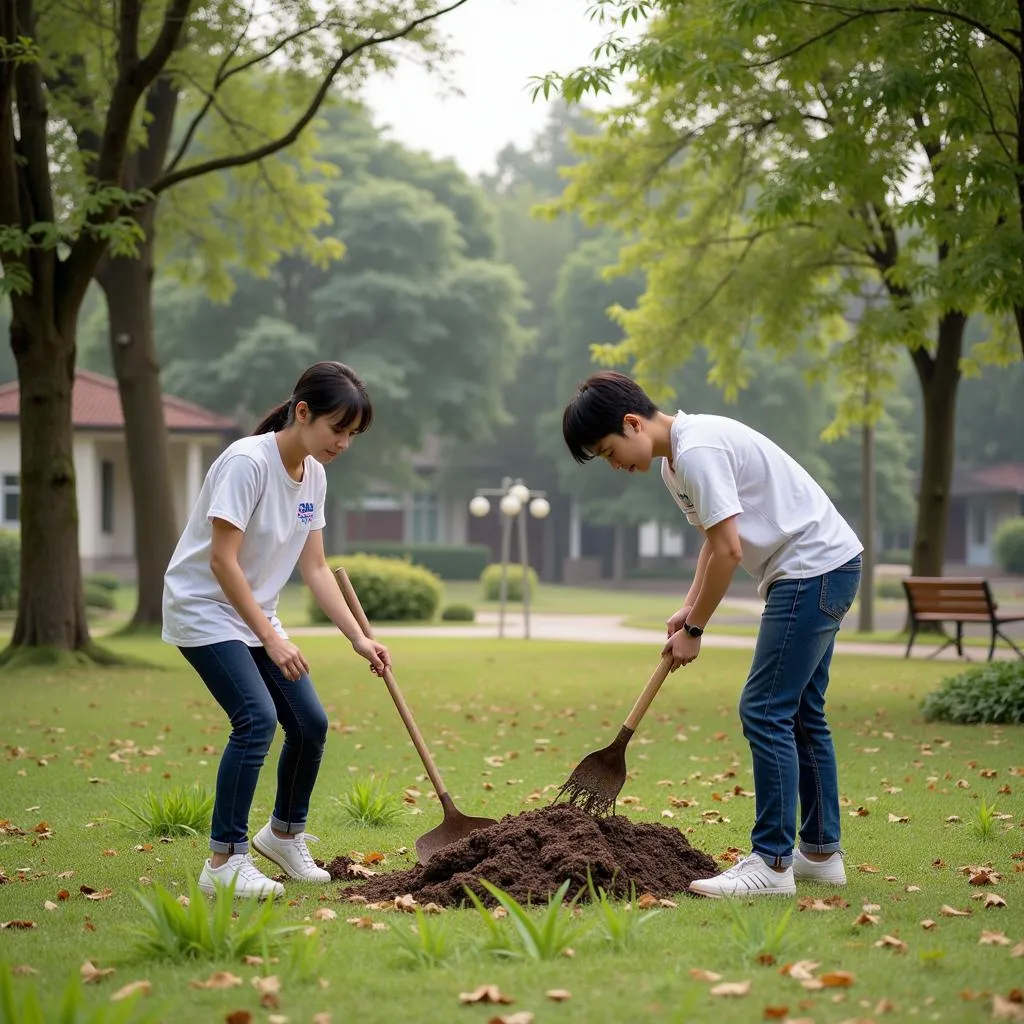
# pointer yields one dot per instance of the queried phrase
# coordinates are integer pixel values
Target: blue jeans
(256, 696)
(782, 709)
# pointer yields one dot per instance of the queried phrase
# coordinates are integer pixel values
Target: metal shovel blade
(455, 826)
(598, 779)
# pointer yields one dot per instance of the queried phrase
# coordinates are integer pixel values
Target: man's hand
(675, 623)
(376, 654)
(287, 657)
(683, 648)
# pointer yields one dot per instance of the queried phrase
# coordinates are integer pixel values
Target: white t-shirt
(788, 527)
(248, 487)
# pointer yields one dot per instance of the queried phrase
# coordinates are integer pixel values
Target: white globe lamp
(521, 491)
(539, 508)
(510, 505)
(479, 506)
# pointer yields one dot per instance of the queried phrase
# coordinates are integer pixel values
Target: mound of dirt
(529, 855)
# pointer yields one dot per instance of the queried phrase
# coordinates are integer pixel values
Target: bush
(895, 556)
(459, 613)
(103, 580)
(491, 579)
(10, 568)
(888, 587)
(389, 589)
(990, 693)
(98, 597)
(450, 562)
(1009, 545)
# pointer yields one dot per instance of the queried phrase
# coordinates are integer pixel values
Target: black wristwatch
(693, 631)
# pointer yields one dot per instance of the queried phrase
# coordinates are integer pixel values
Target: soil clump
(529, 855)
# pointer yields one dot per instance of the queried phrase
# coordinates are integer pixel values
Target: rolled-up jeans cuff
(291, 828)
(242, 846)
(820, 848)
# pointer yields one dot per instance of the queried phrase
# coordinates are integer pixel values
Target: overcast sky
(501, 43)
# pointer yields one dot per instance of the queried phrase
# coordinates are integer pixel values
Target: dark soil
(529, 855)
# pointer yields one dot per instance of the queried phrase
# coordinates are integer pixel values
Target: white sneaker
(292, 855)
(826, 872)
(750, 877)
(249, 880)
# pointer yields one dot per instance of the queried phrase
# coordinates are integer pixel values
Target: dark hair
(328, 388)
(598, 408)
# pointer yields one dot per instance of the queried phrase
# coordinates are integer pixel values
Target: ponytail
(276, 419)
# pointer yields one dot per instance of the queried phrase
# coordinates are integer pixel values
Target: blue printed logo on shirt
(306, 510)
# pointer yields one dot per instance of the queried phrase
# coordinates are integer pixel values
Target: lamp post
(515, 499)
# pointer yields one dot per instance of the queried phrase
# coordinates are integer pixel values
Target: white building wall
(10, 456)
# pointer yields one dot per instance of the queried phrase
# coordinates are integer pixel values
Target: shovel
(456, 825)
(600, 776)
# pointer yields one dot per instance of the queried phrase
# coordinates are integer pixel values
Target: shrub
(98, 597)
(449, 561)
(459, 613)
(10, 568)
(103, 580)
(389, 589)
(491, 579)
(888, 587)
(1009, 545)
(990, 693)
(895, 556)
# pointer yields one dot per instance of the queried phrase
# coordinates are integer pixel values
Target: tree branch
(30, 98)
(71, 79)
(807, 43)
(275, 145)
(10, 209)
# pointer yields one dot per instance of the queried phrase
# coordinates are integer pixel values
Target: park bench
(959, 600)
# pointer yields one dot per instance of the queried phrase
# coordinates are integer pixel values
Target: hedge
(491, 580)
(389, 589)
(98, 597)
(450, 562)
(1009, 545)
(990, 693)
(10, 568)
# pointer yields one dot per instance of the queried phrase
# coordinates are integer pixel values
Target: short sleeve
(710, 484)
(319, 513)
(236, 492)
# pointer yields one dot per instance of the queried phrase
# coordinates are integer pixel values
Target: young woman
(259, 513)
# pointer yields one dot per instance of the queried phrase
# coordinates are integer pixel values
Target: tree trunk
(939, 377)
(128, 287)
(51, 609)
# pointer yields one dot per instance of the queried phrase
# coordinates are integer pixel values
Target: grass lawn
(76, 742)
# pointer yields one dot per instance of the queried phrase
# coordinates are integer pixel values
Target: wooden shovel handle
(643, 702)
(352, 600)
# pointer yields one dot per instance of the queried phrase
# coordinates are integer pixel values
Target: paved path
(609, 629)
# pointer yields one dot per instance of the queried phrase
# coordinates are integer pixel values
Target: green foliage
(490, 578)
(66, 1006)
(449, 561)
(989, 693)
(98, 597)
(180, 811)
(1009, 545)
(756, 932)
(425, 944)
(620, 923)
(10, 568)
(458, 613)
(207, 929)
(889, 588)
(541, 937)
(985, 824)
(370, 804)
(389, 589)
(103, 580)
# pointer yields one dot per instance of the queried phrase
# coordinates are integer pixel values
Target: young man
(756, 507)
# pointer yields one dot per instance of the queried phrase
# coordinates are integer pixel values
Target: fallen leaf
(927, 924)
(406, 903)
(993, 899)
(267, 985)
(1006, 1009)
(801, 970)
(91, 973)
(993, 939)
(898, 819)
(953, 819)
(23, 925)
(884, 1006)
(558, 995)
(368, 923)
(867, 869)
(523, 1017)
(912, 888)
(837, 979)
(358, 871)
(324, 914)
(731, 988)
(20, 970)
(131, 989)
(93, 894)
(219, 979)
(866, 918)
(668, 904)
(485, 994)
(702, 975)
(947, 911)
(1017, 950)
(775, 1012)
(49, 905)
(891, 942)
(646, 901)
(238, 1017)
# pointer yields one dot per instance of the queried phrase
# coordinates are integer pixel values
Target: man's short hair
(598, 408)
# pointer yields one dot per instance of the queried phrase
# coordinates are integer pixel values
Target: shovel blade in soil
(598, 778)
(455, 826)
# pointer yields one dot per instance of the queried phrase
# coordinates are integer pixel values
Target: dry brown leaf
(368, 923)
(522, 1017)
(801, 970)
(406, 903)
(927, 924)
(668, 904)
(867, 869)
(358, 871)
(866, 918)
(982, 876)
(884, 1006)
(485, 994)
(103, 894)
(91, 973)
(321, 1018)
(731, 988)
(701, 975)
(264, 985)
(898, 819)
(375, 857)
(558, 995)
(947, 911)
(891, 942)
(49, 905)
(217, 980)
(1017, 950)
(993, 899)
(912, 888)
(993, 939)
(775, 1012)
(324, 914)
(132, 988)
(837, 979)
(646, 901)
(810, 903)
(20, 970)
(1006, 1009)
(238, 1017)
(22, 925)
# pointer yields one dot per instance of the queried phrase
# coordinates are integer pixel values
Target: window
(107, 496)
(10, 498)
(980, 517)
(424, 518)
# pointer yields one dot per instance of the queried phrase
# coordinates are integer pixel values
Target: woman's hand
(287, 657)
(376, 654)
(675, 623)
